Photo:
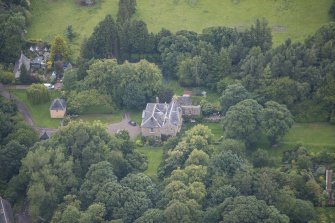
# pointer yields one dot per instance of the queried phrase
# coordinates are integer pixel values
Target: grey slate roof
(184, 100)
(156, 115)
(22, 61)
(58, 104)
(37, 60)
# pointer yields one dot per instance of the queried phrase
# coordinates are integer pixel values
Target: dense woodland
(83, 174)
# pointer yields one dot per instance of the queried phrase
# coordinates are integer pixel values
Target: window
(151, 130)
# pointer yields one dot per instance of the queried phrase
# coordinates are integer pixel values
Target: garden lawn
(325, 214)
(288, 18)
(154, 155)
(39, 113)
(312, 135)
(51, 17)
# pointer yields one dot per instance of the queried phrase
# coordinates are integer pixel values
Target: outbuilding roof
(58, 104)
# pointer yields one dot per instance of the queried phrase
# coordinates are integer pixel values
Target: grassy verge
(39, 113)
(286, 17)
(154, 155)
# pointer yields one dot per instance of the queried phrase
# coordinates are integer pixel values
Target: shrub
(6, 77)
(38, 94)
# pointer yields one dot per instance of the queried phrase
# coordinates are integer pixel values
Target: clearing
(154, 155)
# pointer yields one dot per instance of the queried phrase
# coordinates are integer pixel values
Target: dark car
(132, 123)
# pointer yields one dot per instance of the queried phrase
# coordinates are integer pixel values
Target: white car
(49, 86)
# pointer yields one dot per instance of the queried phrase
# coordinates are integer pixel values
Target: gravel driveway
(124, 125)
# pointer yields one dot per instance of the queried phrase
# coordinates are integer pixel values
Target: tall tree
(60, 50)
(104, 41)
(242, 121)
(276, 120)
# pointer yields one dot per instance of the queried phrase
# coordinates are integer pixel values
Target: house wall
(169, 130)
(191, 110)
(57, 113)
(147, 132)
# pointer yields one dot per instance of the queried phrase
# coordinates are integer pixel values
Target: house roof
(58, 104)
(184, 100)
(37, 60)
(157, 115)
(44, 136)
(23, 60)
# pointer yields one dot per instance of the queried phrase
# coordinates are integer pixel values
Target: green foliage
(38, 94)
(192, 72)
(103, 41)
(232, 95)
(249, 209)
(6, 77)
(242, 121)
(276, 120)
(12, 27)
(87, 102)
(59, 49)
(129, 85)
(126, 10)
(69, 33)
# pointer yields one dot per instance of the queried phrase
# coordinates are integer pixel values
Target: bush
(88, 102)
(7, 77)
(38, 94)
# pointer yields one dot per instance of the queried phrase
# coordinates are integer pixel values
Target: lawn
(295, 19)
(51, 17)
(325, 215)
(312, 135)
(154, 155)
(40, 113)
(288, 18)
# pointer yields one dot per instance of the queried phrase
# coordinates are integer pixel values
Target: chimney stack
(157, 99)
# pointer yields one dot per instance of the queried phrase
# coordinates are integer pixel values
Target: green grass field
(39, 113)
(51, 17)
(154, 155)
(288, 18)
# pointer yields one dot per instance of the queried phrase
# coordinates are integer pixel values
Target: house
(45, 136)
(23, 61)
(37, 62)
(187, 107)
(58, 108)
(161, 119)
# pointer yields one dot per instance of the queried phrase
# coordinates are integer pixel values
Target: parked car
(49, 86)
(132, 123)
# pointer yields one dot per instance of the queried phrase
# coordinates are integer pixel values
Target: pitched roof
(184, 100)
(157, 115)
(44, 136)
(58, 104)
(22, 61)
